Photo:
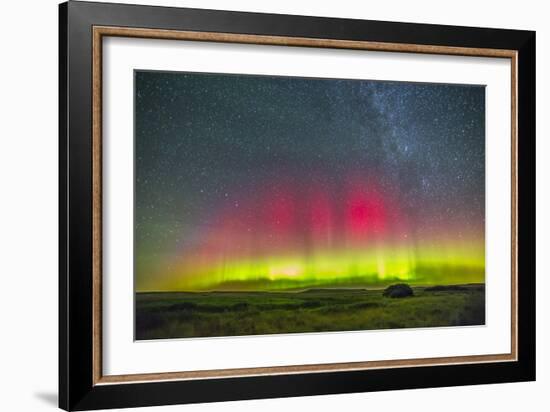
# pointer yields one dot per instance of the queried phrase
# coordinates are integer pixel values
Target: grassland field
(162, 315)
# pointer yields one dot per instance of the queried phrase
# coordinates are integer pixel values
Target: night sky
(265, 183)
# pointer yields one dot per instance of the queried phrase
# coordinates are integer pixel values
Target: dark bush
(310, 304)
(240, 306)
(446, 288)
(365, 305)
(184, 306)
(146, 322)
(401, 290)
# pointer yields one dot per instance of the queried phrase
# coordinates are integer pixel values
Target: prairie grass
(208, 314)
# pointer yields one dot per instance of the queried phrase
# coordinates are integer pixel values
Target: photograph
(277, 205)
(280, 202)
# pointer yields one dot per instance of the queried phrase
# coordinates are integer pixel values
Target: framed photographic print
(257, 205)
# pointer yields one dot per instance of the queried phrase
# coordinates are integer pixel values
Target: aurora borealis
(271, 183)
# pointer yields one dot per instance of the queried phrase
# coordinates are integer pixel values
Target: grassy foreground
(183, 315)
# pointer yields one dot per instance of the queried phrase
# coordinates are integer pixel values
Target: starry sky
(269, 183)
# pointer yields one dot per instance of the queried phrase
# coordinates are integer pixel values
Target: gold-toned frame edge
(100, 31)
(97, 208)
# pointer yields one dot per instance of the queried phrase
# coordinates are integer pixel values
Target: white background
(123, 356)
(28, 207)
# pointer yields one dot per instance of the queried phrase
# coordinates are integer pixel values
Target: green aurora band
(333, 269)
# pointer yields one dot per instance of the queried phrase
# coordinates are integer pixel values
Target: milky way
(264, 183)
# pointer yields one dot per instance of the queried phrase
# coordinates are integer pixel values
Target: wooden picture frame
(82, 384)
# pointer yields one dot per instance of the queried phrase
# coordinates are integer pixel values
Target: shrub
(400, 290)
